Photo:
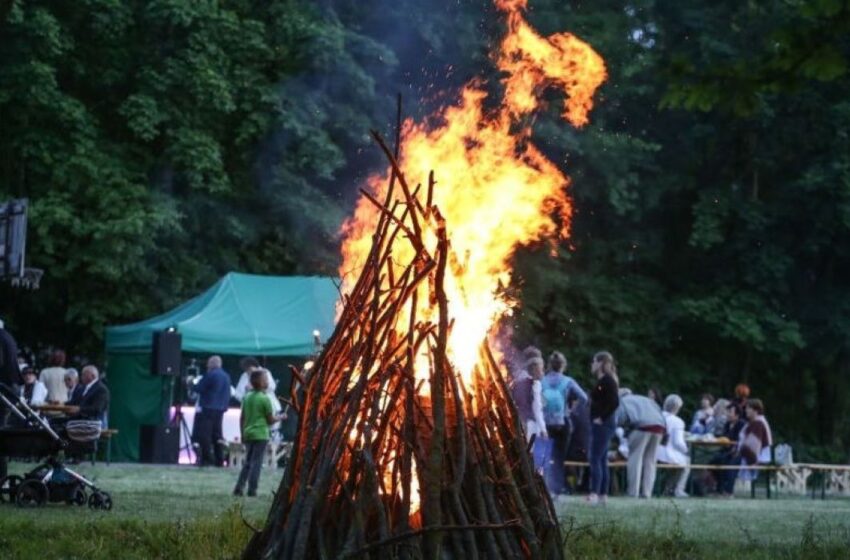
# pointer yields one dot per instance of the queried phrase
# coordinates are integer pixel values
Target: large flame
(494, 188)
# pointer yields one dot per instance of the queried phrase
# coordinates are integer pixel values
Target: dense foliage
(163, 143)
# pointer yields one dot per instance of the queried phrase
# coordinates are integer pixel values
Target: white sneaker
(681, 495)
(592, 499)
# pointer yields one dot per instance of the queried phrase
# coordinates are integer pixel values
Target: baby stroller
(50, 481)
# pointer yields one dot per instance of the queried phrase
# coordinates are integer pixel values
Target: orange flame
(494, 188)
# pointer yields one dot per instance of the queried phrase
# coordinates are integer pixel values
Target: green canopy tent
(242, 314)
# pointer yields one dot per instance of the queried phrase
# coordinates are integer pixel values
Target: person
(10, 373)
(703, 420)
(734, 426)
(256, 417)
(674, 450)
(536, 426)
(213, 399)
(75, 389)
(756, 438)
(53, 378)
(721, 408)
(33, 391)
(754, 443)
(604, 400)
(93, 402)
(579, 446)
(742, 393)
(558, 390)
(249, 365)
(644, 424)
(655, 394)
(526, 393)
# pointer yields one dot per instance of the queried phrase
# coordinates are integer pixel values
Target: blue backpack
(554, 399)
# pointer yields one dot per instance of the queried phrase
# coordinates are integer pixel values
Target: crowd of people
(571, 426)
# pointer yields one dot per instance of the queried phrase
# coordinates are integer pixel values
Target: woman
(32, 391)
(558, 391)
(526, 392)
(703, 421)
(675, 450)
(604, 401)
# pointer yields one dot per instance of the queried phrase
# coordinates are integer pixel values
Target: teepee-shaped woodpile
(396, 456)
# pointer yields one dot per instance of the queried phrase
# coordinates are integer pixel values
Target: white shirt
(39, 394)
(53, 379)
(245, 382)
(676, 450)
(89, 386)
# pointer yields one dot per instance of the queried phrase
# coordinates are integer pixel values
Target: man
(72, 383)
(644, 423)
(94, 399)
(10, 376)
(9, 372)
(53, 378)
(213, 399)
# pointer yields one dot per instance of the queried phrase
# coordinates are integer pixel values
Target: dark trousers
(726, 477)
(254, 453)
(206, 433)
(600, 439)
(555, 475)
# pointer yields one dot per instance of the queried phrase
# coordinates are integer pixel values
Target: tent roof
(243, 314)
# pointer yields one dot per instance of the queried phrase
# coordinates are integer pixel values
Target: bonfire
(408, 444)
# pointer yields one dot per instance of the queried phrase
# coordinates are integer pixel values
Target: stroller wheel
(100, 500)
(9, 487)
(78, 496)
(31, 493)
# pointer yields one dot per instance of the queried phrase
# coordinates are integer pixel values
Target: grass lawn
(186, 512)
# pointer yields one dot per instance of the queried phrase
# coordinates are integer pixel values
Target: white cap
(1, 323)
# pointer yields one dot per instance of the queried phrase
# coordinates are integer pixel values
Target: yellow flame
(495, 189)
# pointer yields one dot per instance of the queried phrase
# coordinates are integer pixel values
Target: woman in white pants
(675, 450)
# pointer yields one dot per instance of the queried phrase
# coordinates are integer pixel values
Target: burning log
(398, 455)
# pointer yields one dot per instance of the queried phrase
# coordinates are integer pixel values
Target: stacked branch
(391, 461)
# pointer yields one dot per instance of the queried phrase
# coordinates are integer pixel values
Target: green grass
(188, 513)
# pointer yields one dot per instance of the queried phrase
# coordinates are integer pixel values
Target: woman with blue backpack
(558, 390)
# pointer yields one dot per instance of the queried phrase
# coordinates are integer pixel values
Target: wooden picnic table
(63, 408)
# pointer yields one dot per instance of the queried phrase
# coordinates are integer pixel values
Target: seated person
(72, 382)
(752, 438)
(756, 438)
(674, 450)
(94, 401)
(703, 421)
(33, 391)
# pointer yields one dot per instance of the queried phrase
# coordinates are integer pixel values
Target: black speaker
(159, 444)
(165, 355)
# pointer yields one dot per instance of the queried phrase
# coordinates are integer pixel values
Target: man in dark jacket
(10, 376)
(94, 399)
(214, 397)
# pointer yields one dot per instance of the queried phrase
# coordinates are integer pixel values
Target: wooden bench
(105, 435)
(771, 469)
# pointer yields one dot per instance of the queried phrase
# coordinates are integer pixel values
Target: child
(254, 421)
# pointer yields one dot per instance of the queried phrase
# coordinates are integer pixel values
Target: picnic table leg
(823, 485)
(768, 484)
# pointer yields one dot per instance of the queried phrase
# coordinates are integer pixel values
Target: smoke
(311, 165)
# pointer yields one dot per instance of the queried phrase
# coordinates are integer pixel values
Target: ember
(408, 443)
